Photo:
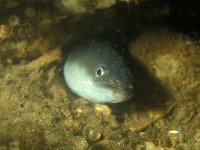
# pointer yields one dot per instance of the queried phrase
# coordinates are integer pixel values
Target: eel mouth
(128, 87)
(122, 93)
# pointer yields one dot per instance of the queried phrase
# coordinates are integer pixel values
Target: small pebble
(103, 109)
(91, 134)
(21, 45)
(173, 132)
(14, 20)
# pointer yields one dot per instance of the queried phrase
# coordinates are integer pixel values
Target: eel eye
(100, 71)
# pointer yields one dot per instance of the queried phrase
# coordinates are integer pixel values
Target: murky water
(159, 42)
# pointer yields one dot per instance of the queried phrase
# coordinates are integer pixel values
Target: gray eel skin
(97, 73)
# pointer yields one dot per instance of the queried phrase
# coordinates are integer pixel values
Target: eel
(96, 72)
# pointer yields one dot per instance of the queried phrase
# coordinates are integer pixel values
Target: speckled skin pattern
(96, 72)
